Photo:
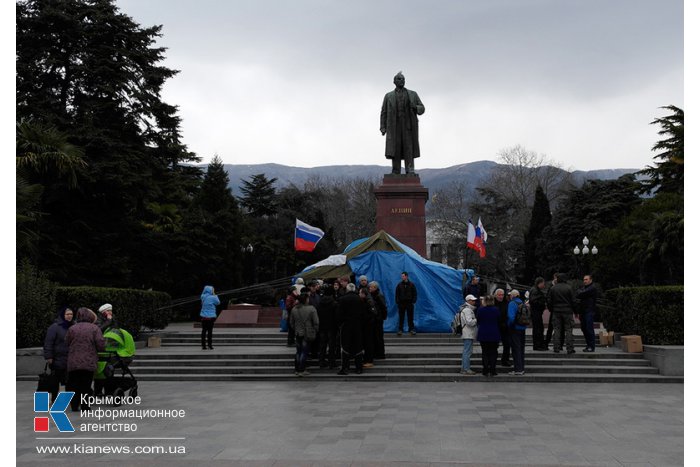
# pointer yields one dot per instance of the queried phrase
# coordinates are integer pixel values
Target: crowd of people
(71, 349)
(491, 320)
(343, 323)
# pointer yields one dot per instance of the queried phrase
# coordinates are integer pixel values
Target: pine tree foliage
(667, 175)
(586, 211)
(259, 196)
(89, 72)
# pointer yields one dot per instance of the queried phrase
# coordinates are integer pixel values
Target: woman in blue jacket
(208, 315)
(517, 334)
(488, 335)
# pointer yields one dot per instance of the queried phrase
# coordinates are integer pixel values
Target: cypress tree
(541, 217)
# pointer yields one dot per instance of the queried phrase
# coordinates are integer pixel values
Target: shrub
(36, 305)
(655, 313)
(133, 309)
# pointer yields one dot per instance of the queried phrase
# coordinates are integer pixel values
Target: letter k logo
(57, 411)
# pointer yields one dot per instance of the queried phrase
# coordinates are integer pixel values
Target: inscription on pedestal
(401, 210)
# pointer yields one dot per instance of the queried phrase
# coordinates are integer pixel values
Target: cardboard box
(606, 338)
(154, 341)
(632, 344)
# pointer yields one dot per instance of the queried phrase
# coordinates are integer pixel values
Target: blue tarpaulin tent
(382, 258)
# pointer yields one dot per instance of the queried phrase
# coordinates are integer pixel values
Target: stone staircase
(262, 355)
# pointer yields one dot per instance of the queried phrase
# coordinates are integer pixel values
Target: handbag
(47, 380)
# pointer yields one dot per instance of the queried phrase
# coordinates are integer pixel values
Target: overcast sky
(301, 82)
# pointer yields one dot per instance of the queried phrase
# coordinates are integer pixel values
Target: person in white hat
(468, 319)
(105, 320)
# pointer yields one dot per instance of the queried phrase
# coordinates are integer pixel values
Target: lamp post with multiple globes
(584, 254)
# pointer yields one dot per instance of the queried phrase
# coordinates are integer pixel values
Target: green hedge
(655, 313)
(36, 305)
(133, 309)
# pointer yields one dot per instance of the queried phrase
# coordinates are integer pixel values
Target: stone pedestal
(236, 315)
(401, 209)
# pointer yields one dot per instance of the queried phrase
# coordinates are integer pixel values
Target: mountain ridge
(432, 179)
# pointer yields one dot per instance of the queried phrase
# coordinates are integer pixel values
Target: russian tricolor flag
(306, 237)
(476, 237)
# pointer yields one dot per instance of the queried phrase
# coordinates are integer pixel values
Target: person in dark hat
(56, 349)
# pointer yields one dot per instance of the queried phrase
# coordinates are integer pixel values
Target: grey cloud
(569, 53)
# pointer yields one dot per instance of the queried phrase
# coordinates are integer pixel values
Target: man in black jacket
(502, 304)
(473, 288)
(406, 296)
(327, 328)
(538, 303)
(380, 303)
(351, 316)
(561, 303)
(587, 295)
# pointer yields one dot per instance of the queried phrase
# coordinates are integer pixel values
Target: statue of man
(399, 121)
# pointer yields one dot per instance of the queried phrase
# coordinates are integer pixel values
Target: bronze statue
(399, 121)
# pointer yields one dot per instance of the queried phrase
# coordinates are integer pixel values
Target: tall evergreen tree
(214, 232)
(540, 219)
(586, 211)
(215, 194)
(259, 196)
(646, 246)
(89, 70)
(667, 176)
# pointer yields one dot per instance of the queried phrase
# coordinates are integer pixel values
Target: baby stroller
(118, 354)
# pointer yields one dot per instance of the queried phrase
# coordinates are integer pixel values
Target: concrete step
(387, 369)
(317, 375)
(284, 362)
(399, 353)
(414, 341)
(241, 334)
(275, 332)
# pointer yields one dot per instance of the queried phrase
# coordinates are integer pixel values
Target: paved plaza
(305, 423)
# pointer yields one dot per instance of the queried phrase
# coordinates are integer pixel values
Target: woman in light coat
(468, 320)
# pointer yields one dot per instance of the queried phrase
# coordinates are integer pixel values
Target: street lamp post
(247, 252)
(583, 252)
